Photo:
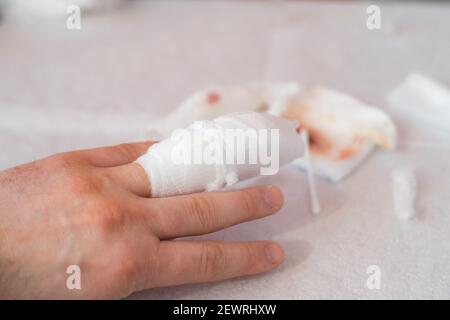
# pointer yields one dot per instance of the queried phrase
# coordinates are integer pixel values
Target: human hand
(90, 208)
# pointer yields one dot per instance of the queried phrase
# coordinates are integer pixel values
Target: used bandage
(213, 102)
(342, 130)
(212, 154)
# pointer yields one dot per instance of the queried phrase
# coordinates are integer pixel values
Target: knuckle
(109, 217)
(155, 216)
(128, 268)
(252, 259)
(80, 183)
(202, 210)
(159, 219)
(128, 265)
(211, 259)
(128, 150)
(249, 202)
(135, 271)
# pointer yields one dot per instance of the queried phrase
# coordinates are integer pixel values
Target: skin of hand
(91, 208)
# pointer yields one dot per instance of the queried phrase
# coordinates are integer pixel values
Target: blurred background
(138, 59)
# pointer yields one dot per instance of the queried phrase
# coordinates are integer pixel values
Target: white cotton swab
(314, 200)
(404, 190)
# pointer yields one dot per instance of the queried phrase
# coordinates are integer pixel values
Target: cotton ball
(404, 189)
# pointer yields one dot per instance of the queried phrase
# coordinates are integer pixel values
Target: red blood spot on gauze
(213, 98)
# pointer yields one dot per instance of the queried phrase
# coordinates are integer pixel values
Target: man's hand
(90, 208)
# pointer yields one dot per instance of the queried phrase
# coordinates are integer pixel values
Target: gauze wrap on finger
(170, 175)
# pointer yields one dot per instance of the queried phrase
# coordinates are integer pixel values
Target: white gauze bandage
(212, 154)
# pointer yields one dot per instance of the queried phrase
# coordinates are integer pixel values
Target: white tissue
(424, 101)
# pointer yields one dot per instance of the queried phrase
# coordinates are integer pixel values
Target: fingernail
(274, 253)
(273, 197)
